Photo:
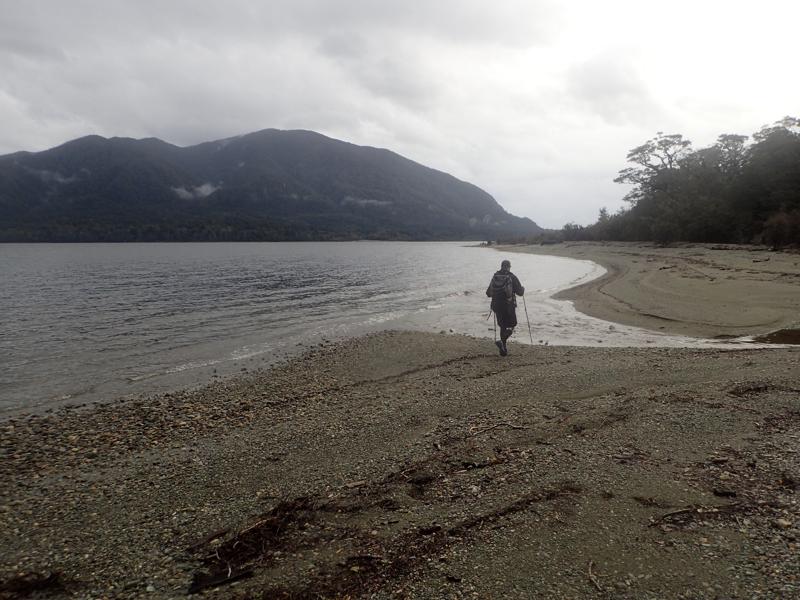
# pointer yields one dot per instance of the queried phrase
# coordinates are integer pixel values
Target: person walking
(503, 290)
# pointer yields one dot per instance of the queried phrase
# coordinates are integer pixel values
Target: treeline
(739, 190)
(165, 231)
(213, 230)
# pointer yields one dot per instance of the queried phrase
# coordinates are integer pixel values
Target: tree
(572, 232)
(732, 153)
(729, 192)
(652, 160)
(785, 125)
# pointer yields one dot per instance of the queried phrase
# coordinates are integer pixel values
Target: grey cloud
(488, 92)
(343, 46)
(611, 88)
(22, 47)
(85, 22)
(400, 76)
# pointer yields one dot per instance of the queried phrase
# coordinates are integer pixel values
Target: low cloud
(200, 191)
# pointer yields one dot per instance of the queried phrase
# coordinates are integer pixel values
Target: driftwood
(203, 581)
(207, 539)
(700, 510)
(495, 426)
(664, 517)
(593, 577)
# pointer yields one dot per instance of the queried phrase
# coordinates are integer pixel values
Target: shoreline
(699, 290)
(421, 465)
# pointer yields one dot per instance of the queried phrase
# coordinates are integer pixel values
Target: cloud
(14, 44)
(402, 75)
(535, 101)
(610, 87)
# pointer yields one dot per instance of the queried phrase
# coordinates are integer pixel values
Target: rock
(783, 523)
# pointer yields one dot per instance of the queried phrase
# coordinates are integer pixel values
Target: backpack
(502, 286)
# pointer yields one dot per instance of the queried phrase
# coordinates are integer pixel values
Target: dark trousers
(506, 314)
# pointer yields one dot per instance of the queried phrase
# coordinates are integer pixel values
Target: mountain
(267, 185)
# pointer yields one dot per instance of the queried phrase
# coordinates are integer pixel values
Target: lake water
(94, 322)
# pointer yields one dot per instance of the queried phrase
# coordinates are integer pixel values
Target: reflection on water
(86, 322)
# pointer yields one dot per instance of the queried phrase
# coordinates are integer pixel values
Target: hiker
(503, 290)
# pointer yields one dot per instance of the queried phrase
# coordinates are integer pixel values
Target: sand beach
(700, 290)
(424, 465)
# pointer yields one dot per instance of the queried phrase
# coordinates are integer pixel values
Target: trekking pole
(495, 327)
(525, 304)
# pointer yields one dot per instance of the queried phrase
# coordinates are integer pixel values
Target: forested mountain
(733, 191)
(267, 185)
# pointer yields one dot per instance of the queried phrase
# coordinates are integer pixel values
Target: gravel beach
(424, 465)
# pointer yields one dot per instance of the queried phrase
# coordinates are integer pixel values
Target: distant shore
(699, 290)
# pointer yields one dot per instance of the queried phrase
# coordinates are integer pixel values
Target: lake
(94, 322)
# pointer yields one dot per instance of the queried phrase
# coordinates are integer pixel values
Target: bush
(782, 229)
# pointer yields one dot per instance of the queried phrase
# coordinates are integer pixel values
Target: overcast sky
(535, 101)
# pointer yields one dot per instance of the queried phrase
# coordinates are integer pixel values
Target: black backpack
(502, 286)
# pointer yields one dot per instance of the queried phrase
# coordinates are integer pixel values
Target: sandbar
(699, 290)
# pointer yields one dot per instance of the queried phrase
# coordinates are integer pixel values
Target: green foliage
(731, 192)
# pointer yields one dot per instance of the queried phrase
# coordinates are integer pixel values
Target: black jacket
(518, 289)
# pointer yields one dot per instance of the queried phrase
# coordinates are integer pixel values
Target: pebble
(222, 415)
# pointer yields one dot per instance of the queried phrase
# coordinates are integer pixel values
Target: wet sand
(413, 465)
(698, 290)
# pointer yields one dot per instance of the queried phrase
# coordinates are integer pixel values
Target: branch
(701, 510)
(593, 577)
(495, 426)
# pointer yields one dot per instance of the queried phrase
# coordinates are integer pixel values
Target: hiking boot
(500, 346)
(504, 351)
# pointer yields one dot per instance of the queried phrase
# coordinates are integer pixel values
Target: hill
(269, 185)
